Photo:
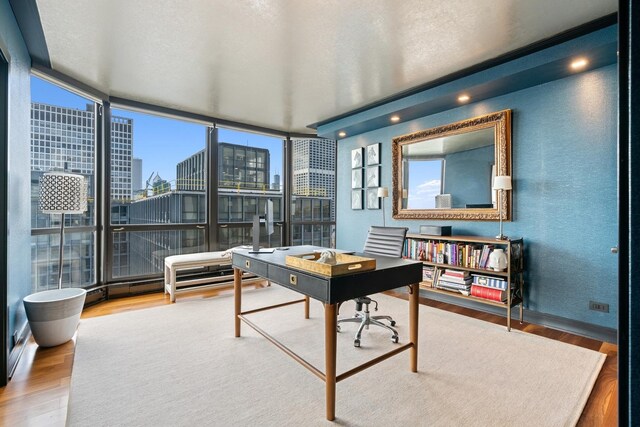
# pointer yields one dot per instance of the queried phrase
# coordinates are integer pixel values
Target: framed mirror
(447, 172)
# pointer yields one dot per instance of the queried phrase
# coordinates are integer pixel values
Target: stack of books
(427, 273)
(491, 288)
(455, 280)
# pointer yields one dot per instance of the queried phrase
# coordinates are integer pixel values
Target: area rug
(180, 365)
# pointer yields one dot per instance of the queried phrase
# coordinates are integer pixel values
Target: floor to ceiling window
(156, 188)
(63, 138)
(158, 176)
(250, 178)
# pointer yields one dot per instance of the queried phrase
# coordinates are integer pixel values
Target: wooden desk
(390, 273)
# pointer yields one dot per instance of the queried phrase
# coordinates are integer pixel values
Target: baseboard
(576, 327)
(18, 349)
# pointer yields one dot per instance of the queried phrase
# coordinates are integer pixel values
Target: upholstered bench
(174, 263)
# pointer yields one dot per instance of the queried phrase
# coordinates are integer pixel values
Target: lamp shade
(383, 192)
(62, 192)
(502, 182)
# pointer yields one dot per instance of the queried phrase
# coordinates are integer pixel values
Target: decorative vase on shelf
(498, 260)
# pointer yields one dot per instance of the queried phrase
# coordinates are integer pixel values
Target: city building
(314, 168)
(275, 185)
(121, 158)
(191, 173)
(136, 177)
(242, 166)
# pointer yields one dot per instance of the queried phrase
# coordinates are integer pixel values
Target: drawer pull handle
(293, 279)
(354, 266)
(247, 264)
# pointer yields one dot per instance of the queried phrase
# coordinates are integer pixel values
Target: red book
(456, 273)
(488, 293)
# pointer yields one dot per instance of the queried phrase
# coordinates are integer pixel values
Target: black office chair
(382, 241)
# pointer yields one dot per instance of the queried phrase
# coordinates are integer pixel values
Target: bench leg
(166, 278)
(172, 279)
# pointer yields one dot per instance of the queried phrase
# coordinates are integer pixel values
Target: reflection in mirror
(447, 172)
(458, 166)
(422, 182)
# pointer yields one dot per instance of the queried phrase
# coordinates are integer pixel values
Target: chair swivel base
(365, 319)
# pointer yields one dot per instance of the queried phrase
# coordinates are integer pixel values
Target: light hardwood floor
(38, 393)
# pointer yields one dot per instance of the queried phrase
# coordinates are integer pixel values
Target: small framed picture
(373, 201)
(373, 154)
(356, 158)
(356, 178)
(356, 199)
(373, 176)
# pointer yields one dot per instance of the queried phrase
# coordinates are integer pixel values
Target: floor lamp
(54, 314)
(501, 183)
(383, 193)
(62, 193)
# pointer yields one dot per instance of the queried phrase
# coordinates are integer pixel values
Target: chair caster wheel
(356, 343)
(394, 339)
(392, 323)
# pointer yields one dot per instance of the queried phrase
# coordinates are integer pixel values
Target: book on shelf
(445, 284)
(457, 273)
(469, 255)
(489, 282)
(488, 293)
(456, 279)
(427, 272)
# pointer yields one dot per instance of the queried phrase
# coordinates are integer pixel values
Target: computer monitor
(267, 219)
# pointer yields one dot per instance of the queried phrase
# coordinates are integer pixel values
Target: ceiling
(286, 64)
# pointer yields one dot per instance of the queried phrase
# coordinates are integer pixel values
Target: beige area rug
(179, 365)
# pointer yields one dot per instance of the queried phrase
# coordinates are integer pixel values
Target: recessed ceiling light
(579, 64)
(342, 134)
(395, 118)
(464, 98)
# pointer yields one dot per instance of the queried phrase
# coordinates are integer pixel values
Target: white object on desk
(327, 257)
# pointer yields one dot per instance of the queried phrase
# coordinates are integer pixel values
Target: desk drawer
(312, 286)
(259, 268)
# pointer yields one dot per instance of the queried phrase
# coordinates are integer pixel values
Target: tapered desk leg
(330, 331)
(237, 295)
(413, 326)
(306, 307)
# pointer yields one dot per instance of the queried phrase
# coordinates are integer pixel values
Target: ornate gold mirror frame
(500, 122)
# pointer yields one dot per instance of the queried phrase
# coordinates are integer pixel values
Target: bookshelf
(458, 266)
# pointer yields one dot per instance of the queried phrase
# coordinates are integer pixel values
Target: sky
(424, 183)
(162, 143)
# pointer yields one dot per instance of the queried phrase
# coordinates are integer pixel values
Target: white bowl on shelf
(54, 315)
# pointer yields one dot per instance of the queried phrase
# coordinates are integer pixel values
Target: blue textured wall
(18, 283)
(565, 190)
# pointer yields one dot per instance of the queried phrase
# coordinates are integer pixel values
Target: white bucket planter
(54, 315)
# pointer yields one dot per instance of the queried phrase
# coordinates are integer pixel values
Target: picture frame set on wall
(356, 200)
(365, 181)
(356, 158)
(373, 201)
(357, 178)
(373, 154)
(373, 176)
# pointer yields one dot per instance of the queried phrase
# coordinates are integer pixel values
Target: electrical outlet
(598, 306)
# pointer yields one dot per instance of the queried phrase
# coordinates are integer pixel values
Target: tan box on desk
(345, 264)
